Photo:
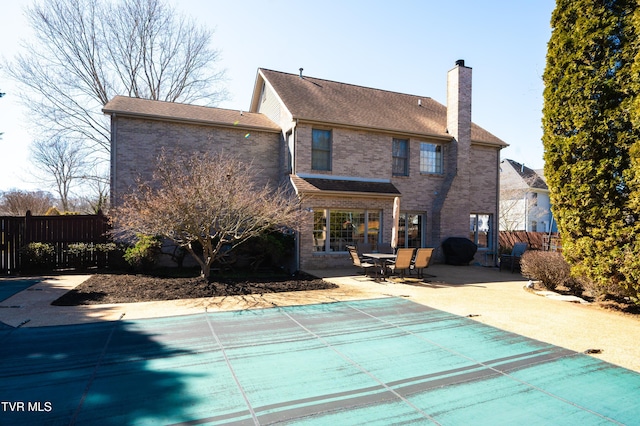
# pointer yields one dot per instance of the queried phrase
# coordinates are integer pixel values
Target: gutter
(350, 194)
(395, 132)
(112, 154)
(156, 117)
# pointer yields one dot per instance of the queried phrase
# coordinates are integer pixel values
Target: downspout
(293, 172)
(526, 213)
(112, 178)
(293, 151)
(496, 220)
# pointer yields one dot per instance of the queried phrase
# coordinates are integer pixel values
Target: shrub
(39, 255)
(82, 255)
(549, 268)
(144, 253)
(106, 247)
(80, 248)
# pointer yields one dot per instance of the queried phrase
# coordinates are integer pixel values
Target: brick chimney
(459, 105)
(451, 208)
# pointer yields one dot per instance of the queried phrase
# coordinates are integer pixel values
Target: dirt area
(609, 302)
(126, 288)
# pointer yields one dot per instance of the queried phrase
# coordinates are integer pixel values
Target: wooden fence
(536, 240)
(81, 233)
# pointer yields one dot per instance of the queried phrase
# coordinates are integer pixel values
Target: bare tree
(98, 199)
(60, 163)
(211, 199)
(511, 214)
(1, 95)
(96, 193)
(87, 51)
(17, 203)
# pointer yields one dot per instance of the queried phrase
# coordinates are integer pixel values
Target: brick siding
(136, 144)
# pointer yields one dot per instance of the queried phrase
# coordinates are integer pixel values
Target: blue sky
(402, 46)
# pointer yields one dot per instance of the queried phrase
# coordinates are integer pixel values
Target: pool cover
(381, 361)
(11, 286)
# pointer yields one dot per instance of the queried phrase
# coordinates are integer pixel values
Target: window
(400, 153)
(333, 230)
(481, 226)
(411, 230)
(321, 149)
(430, 158)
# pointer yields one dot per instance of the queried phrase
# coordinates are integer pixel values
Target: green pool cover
(11, 286)
(374, 362)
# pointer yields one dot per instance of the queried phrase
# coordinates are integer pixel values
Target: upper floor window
(430, 158)
(400, 153)
(321, 149)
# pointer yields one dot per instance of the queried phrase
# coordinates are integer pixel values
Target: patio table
(380, 260)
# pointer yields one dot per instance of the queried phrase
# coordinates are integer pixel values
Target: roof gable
(325, 101)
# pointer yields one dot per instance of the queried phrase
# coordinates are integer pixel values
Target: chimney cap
(460, 62)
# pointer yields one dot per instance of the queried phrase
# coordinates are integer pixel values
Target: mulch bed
(125, 288)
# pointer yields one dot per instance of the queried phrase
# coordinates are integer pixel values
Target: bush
(39, 255)
(271, 249)
(549, 268)
(144, 253)
(79, 249)
(83, 255)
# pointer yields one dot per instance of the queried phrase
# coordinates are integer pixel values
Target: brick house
(348, 152)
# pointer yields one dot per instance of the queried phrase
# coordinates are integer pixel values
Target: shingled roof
(325, 101)
(173, 111)
(314, 184)
(529, 176)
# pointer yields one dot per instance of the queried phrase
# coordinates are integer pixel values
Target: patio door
(411, 230)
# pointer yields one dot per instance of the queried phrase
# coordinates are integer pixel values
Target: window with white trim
(430, 158)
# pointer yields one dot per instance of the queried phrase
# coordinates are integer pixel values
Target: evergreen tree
(589, 132)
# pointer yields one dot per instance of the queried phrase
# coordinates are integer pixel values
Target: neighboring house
(524, 199)
(348, 151)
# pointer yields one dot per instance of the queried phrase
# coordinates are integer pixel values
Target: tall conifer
(589, 130)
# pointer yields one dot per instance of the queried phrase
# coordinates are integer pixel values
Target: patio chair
(512, 261)
(403, 261)
(363, 248)
(421, 262)
(365, 266)
(385, 248)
